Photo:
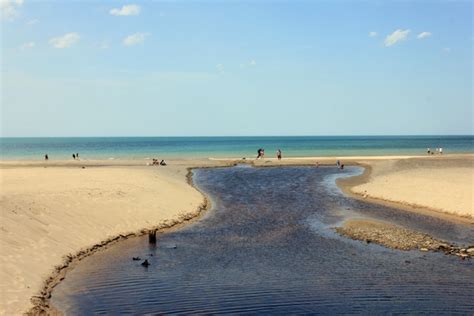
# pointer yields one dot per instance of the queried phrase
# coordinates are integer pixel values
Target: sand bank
(50, 212)
(440, 185)
(396, 237)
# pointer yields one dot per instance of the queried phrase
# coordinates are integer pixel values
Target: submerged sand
(55, 209)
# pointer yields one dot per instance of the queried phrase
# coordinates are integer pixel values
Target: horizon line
(243, 136)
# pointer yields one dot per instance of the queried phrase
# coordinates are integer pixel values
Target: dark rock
(145, 263)
(136, 258)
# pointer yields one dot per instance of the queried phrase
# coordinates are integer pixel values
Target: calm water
(173, 147)
(268, 247)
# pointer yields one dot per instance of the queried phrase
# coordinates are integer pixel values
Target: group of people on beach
(431, 152)
(261, 153)
(74, 156)
(155, 162)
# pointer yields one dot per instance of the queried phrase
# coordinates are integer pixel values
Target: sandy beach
(49, 212)
(442, 185)
(52, 210)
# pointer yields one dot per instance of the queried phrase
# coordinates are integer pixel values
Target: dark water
(186, 147)
(268, 247)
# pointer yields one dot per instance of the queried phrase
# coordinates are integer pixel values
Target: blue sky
(193, 68)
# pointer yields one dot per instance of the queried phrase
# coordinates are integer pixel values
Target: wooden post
(152, 237)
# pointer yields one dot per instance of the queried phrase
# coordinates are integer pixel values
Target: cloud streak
(65, 41)
(423, 35)
(135, 39)
(397, 36)
(28, 45)
(126, 10)
(9, 8)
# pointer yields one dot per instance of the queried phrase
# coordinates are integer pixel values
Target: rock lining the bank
(400, 238)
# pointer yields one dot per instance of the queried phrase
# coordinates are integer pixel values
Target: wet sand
(55, 211)
(396, 237)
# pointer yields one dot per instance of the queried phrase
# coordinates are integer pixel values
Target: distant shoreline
(141, 148)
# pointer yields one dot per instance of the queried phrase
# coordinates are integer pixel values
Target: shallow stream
(268, 246)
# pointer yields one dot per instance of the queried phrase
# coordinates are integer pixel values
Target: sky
(224, 68)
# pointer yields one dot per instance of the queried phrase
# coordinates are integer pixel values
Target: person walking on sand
(73, 156)
(46, 157)
(440, 150)
(279, 154)
(77, 155)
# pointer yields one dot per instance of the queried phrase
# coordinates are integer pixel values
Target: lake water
(235, 147)
(267, 246)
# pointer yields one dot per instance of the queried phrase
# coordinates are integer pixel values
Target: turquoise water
(237, 147)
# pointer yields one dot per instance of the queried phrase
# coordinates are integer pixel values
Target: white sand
(445, 185)
(47, 213)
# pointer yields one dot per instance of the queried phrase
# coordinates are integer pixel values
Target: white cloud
(447, 50)
(28, 45)
(9, 8)
(220, 67)
(395, 37)
(253, 63)
(65, 41)
(32, 22)
(372, 34)
(134, 39)
(423, 35)
(131, 9)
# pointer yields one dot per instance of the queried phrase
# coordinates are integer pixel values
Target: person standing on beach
(279, 154)
(73, 156)
(77, 155)
(440, 150)
(46, 157)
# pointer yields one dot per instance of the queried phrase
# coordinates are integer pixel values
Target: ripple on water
(268, 247)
